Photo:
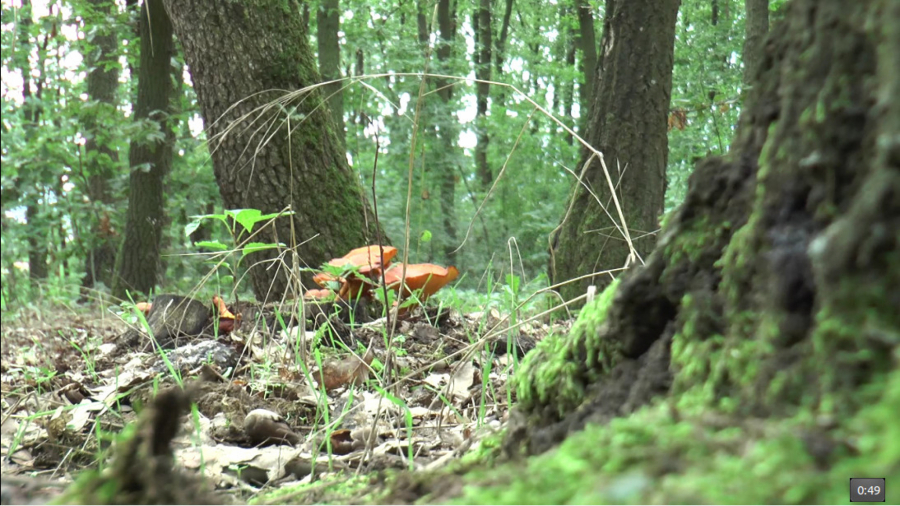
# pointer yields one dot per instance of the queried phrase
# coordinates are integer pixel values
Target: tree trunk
(587, 44)
(568, 88)
(756, 25)
(483, 42)
(101, 160)
(328, 23)
(773, 289)
(257, 162)
(138, 264)
(628, 126)
(37, 244)
(38, 239)
(500, 53)
(449, 133)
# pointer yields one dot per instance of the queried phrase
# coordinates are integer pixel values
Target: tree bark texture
(773, 289)
(756, 25)
(242, 58)
(483, 45)
(328, 23)
(101, 160)
(627, 125)
(137, 268)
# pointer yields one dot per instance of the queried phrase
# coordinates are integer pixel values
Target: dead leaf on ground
(339, 373)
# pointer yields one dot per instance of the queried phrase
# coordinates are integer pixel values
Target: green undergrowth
(690, 454)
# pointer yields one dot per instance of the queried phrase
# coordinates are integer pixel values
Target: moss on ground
(556, 372)
(681, 452)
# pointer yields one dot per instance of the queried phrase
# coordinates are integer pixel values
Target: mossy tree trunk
(243, 58)
(773, 288)
(137, 268)
(628, 126)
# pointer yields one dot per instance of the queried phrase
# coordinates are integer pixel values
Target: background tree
(628, 126)
(482, 25)
(328, 25)
(756, 22)
(261, 164)
(101, 159)
(150, 158)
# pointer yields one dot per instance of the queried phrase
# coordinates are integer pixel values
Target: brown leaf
(339, 373)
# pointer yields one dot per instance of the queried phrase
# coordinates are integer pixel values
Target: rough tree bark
(756, 25)
(328, 23)
(137, 267)
(482, 58)
(259, 164)
(627, 125)
(101, 160)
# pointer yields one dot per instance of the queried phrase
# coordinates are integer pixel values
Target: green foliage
(46, 166)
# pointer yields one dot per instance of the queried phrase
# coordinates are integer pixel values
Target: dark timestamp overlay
(867, 490)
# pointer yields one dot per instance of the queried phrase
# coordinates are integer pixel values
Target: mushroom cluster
(362, 273)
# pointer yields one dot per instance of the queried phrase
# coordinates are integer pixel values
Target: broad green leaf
(254, 247)
(213, 245)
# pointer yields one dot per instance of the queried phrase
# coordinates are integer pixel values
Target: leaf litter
(264, 418)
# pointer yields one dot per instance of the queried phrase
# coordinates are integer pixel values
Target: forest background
(74, 138)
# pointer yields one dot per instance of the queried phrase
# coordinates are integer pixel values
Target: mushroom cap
(428, 277)
(318, 294)
(367, 259)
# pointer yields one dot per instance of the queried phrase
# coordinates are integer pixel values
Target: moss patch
(669, 454)
(556, 372)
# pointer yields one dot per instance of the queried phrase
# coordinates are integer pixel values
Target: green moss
(661, 454)
(348, 489)
(556, 371)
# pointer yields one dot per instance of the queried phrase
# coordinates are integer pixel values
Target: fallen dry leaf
(339, 373)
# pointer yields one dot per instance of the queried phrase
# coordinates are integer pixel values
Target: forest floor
(72, 380)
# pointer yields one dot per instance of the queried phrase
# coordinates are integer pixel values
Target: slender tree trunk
(37, 244)
(628, 125)
(587, 44)
(756, 25)
(449, 133)
(101, 160)
(328, 23)
(500, 53)
(569, 87)
(38, 238)
(137, 268)
(483, 42)
(258, 162)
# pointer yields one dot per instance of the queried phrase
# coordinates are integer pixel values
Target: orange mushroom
(144, 307)
(318, 294)
(366, 260)
(227, 320)
(428, 277)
